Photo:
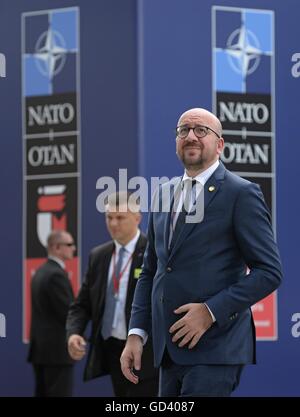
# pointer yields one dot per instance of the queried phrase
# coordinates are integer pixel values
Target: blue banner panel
(243, 91)
(51, 119)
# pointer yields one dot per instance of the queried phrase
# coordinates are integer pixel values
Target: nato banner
(51, 139)
(243, 99)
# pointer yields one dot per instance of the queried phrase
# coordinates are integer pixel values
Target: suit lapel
(175, 190)
(137, 261)
(101, 281)
(213, 185)
(211, 188)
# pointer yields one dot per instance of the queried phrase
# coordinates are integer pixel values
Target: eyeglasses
(67, 244)
(199, 131)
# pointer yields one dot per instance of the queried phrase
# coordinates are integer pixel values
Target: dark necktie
(182, 215)
(110, 300)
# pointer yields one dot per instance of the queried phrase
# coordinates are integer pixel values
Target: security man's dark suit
(104, 356)
(51, 296)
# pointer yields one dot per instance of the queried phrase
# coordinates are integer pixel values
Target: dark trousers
(53, 381)
(197, 380)
(122, 387)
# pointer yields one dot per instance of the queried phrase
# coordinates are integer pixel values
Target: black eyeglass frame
(193, 128)
(67, 244)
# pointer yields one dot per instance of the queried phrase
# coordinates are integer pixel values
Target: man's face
(121, 223)
(65, 248)
(198, 153)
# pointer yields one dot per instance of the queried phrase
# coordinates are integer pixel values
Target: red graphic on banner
(51, 203)
(51, 210)
(265, 318)
(31, 265)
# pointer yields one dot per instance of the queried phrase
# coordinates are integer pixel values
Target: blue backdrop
(143, 63)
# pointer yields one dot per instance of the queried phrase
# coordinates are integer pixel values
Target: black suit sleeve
(60, 295)
(80, 311)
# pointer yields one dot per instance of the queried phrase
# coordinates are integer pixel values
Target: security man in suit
(51, 296)
(106, 297)
(194, 294)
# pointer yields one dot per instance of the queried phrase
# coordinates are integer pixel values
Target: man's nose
(191, 136)
(113, 222)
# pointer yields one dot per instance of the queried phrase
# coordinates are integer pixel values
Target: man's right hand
(131, 357)
(76, 347)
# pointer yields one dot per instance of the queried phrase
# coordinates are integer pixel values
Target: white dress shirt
(119, 330)
(201, 180)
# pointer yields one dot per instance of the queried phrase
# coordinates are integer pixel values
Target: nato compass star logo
(243, 51)
(50, 53)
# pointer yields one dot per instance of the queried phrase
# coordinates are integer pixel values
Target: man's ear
(220, 145)
(139, 217)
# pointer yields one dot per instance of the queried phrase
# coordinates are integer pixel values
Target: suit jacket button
(161, 299)
(169, 269)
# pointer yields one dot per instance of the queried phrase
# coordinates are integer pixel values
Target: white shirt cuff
(141, 333)
(210, 312)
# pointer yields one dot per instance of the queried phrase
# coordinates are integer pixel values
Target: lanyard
(116, 279)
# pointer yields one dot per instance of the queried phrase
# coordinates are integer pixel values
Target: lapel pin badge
(137, 273)
(211, 188)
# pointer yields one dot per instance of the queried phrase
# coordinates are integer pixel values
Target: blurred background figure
(51, 295)
(105, 298)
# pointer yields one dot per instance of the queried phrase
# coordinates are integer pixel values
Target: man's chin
(191, 163)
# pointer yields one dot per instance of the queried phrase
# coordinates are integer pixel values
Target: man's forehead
(110, 208)
(190, 118)
(194, 116)
(121, 209)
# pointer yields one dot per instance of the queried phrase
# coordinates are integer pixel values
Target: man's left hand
(192, 325)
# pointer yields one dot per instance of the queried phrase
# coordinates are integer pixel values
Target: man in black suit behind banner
(51, 296)
(105, 298)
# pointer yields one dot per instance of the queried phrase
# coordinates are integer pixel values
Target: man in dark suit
(51, 296)
(105, 298)
(194, 294)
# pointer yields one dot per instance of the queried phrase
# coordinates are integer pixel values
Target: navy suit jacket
(208, 264)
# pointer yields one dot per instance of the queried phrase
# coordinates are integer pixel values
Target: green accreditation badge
(137, 272)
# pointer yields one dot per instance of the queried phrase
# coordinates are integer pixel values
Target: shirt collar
(57, 260)
(203, 176)
(130, 247)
